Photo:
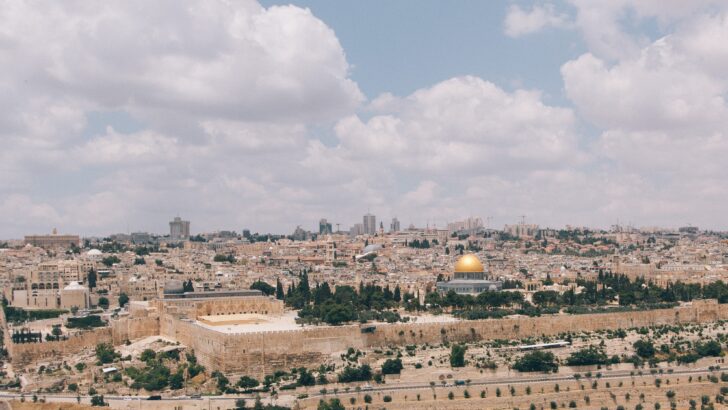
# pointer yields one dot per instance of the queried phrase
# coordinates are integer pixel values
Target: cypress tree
(279, 290)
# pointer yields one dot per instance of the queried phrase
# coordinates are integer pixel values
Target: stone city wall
(132, 328)
(23, 354)
(264, 352)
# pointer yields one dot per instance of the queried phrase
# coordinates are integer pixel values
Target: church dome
(469, 263)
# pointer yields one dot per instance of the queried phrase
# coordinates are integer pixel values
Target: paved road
(606, 375)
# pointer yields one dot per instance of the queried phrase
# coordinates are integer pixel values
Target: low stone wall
(23, 354)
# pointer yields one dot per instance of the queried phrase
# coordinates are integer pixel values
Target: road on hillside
(605, 375)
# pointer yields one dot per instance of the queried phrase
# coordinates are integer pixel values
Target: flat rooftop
(249, 323)
(253, 323)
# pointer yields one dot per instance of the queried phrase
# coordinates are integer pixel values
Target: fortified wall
(264, 352)
(137, 325)
(261, 353)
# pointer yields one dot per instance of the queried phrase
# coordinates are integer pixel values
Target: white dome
(74, 286)
(94, 252)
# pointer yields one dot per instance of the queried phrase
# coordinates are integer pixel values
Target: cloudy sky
(116, 116)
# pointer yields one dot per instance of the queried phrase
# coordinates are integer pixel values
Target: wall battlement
(262, 353)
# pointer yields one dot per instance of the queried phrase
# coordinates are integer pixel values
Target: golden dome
(469, 263)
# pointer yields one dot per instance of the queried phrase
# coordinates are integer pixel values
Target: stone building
(469, 278)
(74, 295)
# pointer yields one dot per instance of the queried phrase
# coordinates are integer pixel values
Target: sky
(117, 116)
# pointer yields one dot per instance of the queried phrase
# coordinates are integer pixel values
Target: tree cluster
(343, 303)
(537, 361)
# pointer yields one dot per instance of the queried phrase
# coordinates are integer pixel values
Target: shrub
(392, 366)
(98, 401)
(105, 353)
(457, 355)
(537, 361)
(644, 348)
(355, 374)
(587, 356)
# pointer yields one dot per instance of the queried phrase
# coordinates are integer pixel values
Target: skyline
(266, 117)
(346, 229)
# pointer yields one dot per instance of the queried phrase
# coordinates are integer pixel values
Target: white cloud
(233, 60)
(663, 115)
(520, 22)
(235, 105)
(611, 28)
(224, 91)
(464, 123)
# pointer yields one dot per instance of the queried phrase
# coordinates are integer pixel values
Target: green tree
(148, 355)
(537, 361)
(98, 401)
(709, 348)
(123, 299)
(176, 381)
(392, 366)
(105, 353)
(222, 381)
(457, 355)
(247, 383)
(644, 348)
(590, 355)
(355, 374)
(279, 290)
(91, 279)
(104, 302)
(263, 287)
(332, 404)
(57, 332)
(305, 378)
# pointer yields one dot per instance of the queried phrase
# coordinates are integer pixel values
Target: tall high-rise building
(370, 224)
(521, 230)
(357, 229)
(394, 226)
(179, 229)
(470, 224)
(325, 227)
